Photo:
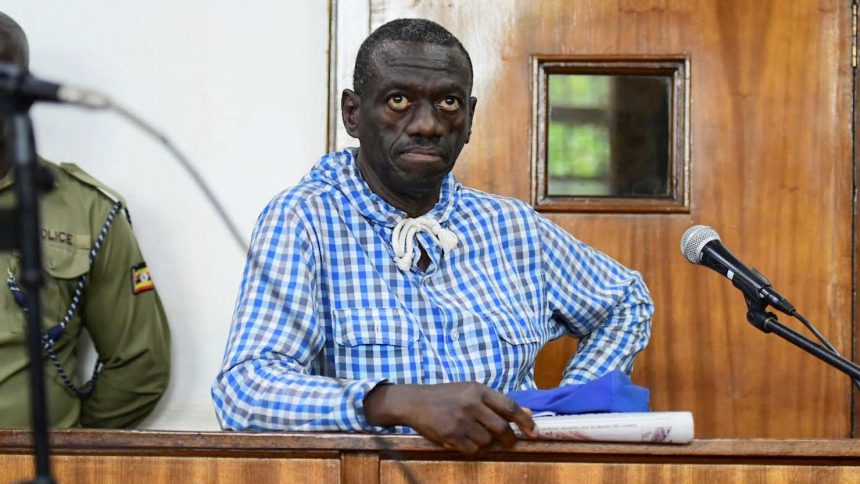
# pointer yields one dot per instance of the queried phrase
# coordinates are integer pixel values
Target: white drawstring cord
(402, 239)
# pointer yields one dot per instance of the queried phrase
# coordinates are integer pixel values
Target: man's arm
(265, 382)
(129, 332)
(597, 300)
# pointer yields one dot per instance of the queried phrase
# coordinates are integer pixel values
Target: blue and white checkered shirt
(324, 314)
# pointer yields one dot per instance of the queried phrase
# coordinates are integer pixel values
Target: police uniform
(119, 308)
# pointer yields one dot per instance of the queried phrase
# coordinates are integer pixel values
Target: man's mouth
(421, 155)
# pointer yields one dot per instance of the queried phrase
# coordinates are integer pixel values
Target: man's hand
(466, 417)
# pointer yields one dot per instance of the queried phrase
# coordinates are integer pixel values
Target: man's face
(414, 117)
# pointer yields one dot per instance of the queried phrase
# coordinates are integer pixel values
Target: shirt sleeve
(597, 300)
(265, 382)
(129, 331)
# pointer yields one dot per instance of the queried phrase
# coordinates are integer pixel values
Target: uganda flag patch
(141, 280)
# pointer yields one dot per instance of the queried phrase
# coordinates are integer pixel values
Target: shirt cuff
(355, 402)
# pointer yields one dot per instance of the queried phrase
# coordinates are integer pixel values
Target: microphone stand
(767, 323)
(30, 179)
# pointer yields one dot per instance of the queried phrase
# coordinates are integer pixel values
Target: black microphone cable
(94, 100)
(823, 340)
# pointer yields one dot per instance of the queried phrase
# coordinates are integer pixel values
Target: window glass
(608, 135)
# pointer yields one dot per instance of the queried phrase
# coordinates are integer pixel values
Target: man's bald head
(402, 30)
(13, 43)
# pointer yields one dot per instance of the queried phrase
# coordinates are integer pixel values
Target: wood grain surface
(771, 170)
(308, 445)
(155, 470)
(106, 456)
(548, 472)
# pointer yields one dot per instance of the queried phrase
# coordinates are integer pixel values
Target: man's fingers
(479, 434)
(507, 439)
(459, 443)
(497, 427)
(465, 445)
(509, 409)
(468, 437)
(470, 417)
(495, 423)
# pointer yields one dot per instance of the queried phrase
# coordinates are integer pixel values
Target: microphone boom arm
(768, 323)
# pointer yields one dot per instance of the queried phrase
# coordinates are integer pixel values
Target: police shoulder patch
(141, 280)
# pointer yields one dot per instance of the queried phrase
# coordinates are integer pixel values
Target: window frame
(677, 68)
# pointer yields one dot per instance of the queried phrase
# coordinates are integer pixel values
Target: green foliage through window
(579, 91)
(578, 147)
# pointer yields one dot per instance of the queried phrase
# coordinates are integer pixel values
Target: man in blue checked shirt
(380, 294)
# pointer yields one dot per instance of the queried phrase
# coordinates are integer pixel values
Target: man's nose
(425, 121)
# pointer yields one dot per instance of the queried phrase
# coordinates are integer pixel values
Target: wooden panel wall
(111, 456)
(160, 469)
(517, 472)
(771, 114)
(855, 262)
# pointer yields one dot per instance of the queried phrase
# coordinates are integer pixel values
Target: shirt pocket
(376, 343)
(64, 266)
(514, 326)
(499, 347)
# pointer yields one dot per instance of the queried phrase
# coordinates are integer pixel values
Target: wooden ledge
(250, 444)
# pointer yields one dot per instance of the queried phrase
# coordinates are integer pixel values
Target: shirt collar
(343, 168)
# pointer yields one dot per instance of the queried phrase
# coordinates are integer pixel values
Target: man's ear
(473, 101)
(349, 104)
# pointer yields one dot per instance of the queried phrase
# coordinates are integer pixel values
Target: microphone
(701, 245)
(19, 84)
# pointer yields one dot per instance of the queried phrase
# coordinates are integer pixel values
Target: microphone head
(694, 240)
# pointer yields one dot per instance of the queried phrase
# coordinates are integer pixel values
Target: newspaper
(650, 427)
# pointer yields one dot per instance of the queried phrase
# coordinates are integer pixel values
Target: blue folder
(613, 392)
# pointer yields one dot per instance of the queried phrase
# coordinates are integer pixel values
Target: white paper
(649, 427)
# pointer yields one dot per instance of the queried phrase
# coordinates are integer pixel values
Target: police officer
(96, 280)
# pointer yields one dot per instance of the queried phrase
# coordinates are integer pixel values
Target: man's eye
(449, 103)
(398, 103)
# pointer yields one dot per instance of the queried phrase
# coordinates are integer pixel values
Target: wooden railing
(94, 456)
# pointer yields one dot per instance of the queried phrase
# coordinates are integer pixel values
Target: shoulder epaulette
(79, 174)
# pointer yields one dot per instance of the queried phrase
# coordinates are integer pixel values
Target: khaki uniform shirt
(120, 310)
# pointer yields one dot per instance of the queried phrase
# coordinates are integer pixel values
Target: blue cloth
(613, 392)
(324, 313)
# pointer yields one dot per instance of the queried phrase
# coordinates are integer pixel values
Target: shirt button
(455, 335)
